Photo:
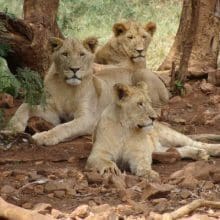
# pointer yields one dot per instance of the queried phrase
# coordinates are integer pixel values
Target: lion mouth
(139, 56)
(145, 125)
(73, 77)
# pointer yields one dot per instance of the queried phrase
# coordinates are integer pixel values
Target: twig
(185, 210)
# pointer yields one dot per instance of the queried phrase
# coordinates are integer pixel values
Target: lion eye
(82, 54)
(144, 36)
(130, 37)
(140, 104)
(65, 54)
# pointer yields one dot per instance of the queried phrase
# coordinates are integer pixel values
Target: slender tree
(196, 46)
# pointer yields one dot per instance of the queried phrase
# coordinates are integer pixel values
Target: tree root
(185, 210)
(12, 212)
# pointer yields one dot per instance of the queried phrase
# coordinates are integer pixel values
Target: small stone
(215, 99)
(39, 162)
(27, 205)
(208, 185)
(207, 88)
(39, 189)
(185, 194)
(72, 159)
(6, 173)
(188, 105)
(57, 214)
(156, 201)
(59, 193)
(81, 211)
(43, 208)
(51, 195)
(7, 189)
(188, 89)
(179, 121)
(175, 99)
(34, 176)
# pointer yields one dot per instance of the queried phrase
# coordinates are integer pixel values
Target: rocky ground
(52, 180)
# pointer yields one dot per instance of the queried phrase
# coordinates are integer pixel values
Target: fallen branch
(185, 210)
(12, 212)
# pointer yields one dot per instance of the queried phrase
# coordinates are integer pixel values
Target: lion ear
(91, 43)
(119, 28)
(151, 27)
(55, 43)
(122, 91)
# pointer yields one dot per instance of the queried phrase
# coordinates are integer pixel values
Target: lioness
(128, 133)
(75, 95)
(127, 48)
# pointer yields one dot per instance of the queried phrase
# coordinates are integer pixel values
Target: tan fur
(130, 40)
(127, 48)
(127, 132)
(77, 98)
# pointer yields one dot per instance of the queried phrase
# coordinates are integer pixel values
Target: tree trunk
(27, 38)
(204, 37)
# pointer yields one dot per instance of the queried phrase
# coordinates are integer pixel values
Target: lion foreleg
(80, 126)
(19, 121)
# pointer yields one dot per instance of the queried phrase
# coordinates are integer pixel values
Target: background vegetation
(82, 18)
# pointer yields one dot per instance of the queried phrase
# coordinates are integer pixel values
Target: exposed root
(12, 212)
(185, 210)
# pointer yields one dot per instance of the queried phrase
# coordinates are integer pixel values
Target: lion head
(132, 39)
(72, 60)
(135, 105)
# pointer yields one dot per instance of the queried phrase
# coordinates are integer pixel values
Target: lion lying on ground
(74, 94)
(127, 48)
(127, 133)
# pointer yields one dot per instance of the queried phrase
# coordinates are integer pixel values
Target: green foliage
(179, 87)
(4, 49)
(32, 86)
(82, 18)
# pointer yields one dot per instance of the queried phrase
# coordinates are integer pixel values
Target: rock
(188, 105)
(34, 176)
(175, 99)
(65, 185)
(57, 214)
(59, 193)
(214, 77)
(101, 208)
(36, 124)
(179, 121)
(185, 194)
(208, 185)
(43, 208)
(81, 211)
(188, 89)
(207, 88)
(7, 189)
(6, 100)
(27, 205)
(170, 156)
(161, 206)
(215, 99)
(94, 177)
(39, 189)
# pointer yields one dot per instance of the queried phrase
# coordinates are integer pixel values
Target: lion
(127, 48)
(130, 40)
(128, 133)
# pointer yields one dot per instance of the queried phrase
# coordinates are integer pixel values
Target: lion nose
(139, 50)
(153, 118)
(75, 69)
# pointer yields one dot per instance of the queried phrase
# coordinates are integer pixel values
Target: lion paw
(150, 175)
(110, 169)
(202, 155)
(45, 138)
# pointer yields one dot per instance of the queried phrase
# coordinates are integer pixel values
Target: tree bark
(204, 34)
(27, 38)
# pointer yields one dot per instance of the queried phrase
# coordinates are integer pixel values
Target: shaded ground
(32, 174)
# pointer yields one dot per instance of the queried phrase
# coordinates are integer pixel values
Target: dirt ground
(31, 174)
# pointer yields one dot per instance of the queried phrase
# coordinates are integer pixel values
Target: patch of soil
(32, 174)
